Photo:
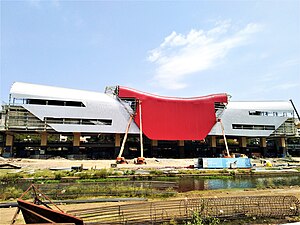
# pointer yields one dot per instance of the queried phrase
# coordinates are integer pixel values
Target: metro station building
(43, 121)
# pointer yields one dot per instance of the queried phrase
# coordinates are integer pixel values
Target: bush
(198, 220)
(10, 177)
(11, 192)
(41, 174)
(129, 172)
(103, 173)
(156, 172)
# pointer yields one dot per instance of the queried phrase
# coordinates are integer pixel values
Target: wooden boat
(34, 213)
(38, 212)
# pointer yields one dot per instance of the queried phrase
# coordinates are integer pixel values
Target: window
(255, 113)
(105, 122)
(54, 102)
(253, 127)
(261, 113)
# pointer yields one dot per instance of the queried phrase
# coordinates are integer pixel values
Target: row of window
(262, 113)
(253, 127)
(52, 120)
(48, 102)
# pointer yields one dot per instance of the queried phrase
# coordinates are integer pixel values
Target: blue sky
(248, 49)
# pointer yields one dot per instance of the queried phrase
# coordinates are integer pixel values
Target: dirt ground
(98, 164)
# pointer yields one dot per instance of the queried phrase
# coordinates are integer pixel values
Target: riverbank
(7, 213)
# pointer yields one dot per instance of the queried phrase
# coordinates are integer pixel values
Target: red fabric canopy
(169, 118)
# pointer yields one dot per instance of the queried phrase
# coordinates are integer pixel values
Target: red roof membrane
(170, 118)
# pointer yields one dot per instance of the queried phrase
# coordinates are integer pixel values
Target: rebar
(183, 209)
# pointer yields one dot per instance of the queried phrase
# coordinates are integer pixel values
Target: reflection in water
(190, 184)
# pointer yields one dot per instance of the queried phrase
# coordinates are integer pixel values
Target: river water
(198, 183)
(182, 184)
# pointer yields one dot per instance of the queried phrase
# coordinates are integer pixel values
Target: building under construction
(42, 122)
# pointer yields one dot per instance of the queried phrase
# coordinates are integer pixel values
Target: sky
(248, 49)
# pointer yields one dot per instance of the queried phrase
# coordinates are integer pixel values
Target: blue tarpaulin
(221, 163)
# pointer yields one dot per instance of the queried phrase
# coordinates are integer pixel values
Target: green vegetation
(10, 193)
(109, 179)
(79, 191)
(45, 174)
(192, 172)
(198, 220)
(5, 177)
(156, 172)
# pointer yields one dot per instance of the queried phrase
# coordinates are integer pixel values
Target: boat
(40, 212)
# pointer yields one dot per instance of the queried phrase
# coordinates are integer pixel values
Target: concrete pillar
(9, 142)
(76, 139)
(44, 139)
(154, 146)
(181, 148)
(213, 146)
(117, 144)
(263, 146)
(76, 142)
(243, 144)
(154, 143)
(282, 147)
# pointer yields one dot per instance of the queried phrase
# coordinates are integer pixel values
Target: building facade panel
(99, 113)
(254, 119)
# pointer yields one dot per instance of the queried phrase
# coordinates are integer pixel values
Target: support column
(213, 145)
(154, 146)
(9, 142)
(181, 148)
(117, 144)
(263, 146)
(282, 147)
(243, 144)
(76, 142)
(44, 140)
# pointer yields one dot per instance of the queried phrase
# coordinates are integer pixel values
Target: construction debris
(9, 166)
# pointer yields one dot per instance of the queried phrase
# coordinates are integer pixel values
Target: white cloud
(180, 55)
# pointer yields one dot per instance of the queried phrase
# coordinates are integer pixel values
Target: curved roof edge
(28, 90)
(261, 105)
(123, 91)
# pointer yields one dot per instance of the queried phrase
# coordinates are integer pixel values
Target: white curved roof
(36, 91)
(261, 105)
(239, 113)
(96, 106)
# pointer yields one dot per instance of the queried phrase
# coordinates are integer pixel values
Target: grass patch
(215, 177)
(10, 193)
(109, 179)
